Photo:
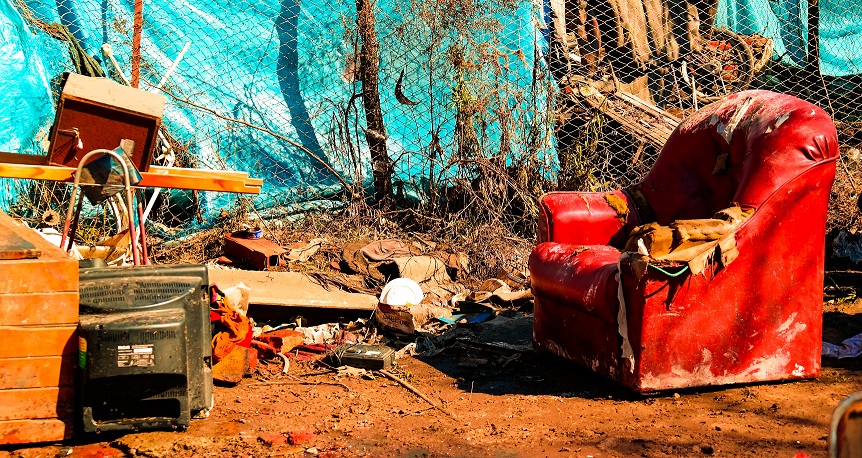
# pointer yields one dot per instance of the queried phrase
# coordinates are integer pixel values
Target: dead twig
(415, 391)
(294, 380)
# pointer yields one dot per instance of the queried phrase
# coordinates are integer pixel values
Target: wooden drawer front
(38, 276)
(37, 403)
(38, 308)
(40, 372)
(30, 431)
(24, 341)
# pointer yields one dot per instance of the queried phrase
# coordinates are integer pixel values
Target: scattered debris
(510, 334)
(232, 352)
(848, 245)
(408, 319)
(401, 291)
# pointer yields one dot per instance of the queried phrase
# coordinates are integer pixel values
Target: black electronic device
(373, 357)
(145, 358)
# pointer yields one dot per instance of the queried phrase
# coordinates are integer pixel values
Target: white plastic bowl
(401, 291)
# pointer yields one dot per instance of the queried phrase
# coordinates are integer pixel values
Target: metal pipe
(129, 200)
(173, 65)
(137, 31)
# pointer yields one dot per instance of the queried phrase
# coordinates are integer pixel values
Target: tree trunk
(375, 133)
(812, 64)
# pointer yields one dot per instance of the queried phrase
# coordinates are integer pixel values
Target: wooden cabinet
(38, 342)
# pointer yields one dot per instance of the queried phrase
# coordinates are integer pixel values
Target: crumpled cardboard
(696, 242)
(408, 318)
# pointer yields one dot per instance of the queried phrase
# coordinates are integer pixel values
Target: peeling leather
(696, 242)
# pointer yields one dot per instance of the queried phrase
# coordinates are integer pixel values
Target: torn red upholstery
(757, 319)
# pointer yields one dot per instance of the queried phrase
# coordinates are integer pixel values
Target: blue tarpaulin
(287, 67)
(786, 23)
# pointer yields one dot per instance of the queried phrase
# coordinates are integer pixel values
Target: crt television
(145, 357)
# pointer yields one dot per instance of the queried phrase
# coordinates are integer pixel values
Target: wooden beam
(151, 180)
(36, 172)
(204, 181)
(207, 173)
(15, 158)
(182, 172)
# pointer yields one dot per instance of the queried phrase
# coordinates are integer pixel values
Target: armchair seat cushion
(578, 276)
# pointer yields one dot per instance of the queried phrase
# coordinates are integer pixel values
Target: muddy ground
(496, 404)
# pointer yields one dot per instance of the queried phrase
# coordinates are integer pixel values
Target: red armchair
(633, 303)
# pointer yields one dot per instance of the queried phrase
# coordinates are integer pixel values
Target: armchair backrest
(740, 149)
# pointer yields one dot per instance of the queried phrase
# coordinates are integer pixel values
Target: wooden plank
(656, 135)
(153, 180)
(13, 246)
(36, 172)
(114, 95)
(200, 173)
(41, 372)
(37, 403)
(196, 183)
(33, 309)
(16, 432)
(290, 289)
(209, 174)
(669, 118)
(31, 341)
(15, 158)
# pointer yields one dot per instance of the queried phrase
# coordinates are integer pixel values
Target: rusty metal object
(258, 253)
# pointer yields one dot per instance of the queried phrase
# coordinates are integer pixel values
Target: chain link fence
(450, 110)
(631, 69)
(441, 108)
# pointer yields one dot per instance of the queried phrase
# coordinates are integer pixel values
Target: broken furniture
(726, 287)
(38, 348)
(97, 113)
(144, 355)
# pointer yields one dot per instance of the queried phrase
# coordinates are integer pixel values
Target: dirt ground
(500, 405)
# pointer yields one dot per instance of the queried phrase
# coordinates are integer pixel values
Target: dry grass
(490, 248)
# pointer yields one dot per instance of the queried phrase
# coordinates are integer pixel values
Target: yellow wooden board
(158, 177)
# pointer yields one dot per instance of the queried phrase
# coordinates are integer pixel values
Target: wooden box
(97, 113)
(38, 342)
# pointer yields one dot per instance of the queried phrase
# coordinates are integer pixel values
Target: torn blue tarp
(30, 62)
(786, 23)
(288, 69)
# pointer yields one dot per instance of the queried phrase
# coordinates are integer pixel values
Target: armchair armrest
(586, 218)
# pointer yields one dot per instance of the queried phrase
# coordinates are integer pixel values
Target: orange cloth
(235, 327)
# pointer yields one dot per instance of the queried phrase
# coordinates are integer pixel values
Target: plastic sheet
(284, 66)
(786, 23)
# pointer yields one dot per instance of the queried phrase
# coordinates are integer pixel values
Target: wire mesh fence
(669, 58)
(447, 110)
(440, 107)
